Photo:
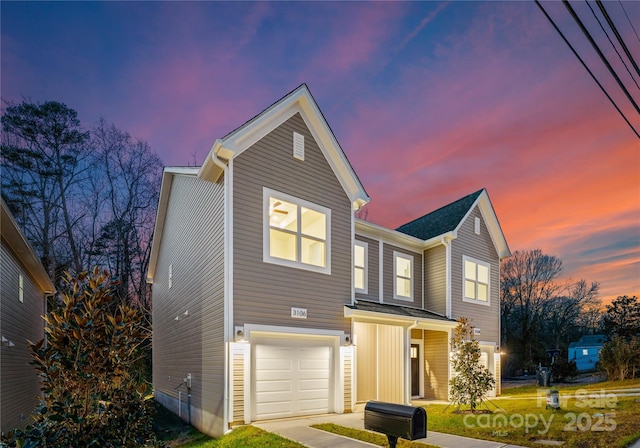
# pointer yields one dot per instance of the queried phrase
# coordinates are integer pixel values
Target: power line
(614, 47)
(630, 23)
(615, 31)
(586, 68)
(602, 56)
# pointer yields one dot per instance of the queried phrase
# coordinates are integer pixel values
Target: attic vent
(477, 230)
(298, 146)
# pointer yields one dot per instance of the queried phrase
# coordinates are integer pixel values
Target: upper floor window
(402, 273)
(476, 280)
(296, 232)
(360, 282)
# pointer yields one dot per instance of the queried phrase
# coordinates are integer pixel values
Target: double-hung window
(360, 266)
(402, 273)
(476, 280)
(296, 232)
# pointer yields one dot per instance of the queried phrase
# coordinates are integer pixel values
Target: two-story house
(24, 285)
(272, 300)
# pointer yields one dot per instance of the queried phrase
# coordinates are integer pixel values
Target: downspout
(446, 243)
(228, 334)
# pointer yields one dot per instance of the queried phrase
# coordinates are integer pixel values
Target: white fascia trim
(298, 101)
(165, 189)
(277, 329)
(403, 321)
(398, 239)
(491, 221)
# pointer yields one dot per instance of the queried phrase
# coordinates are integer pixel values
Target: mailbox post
(395, 420)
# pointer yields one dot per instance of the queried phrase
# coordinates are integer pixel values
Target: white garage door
(292, 376)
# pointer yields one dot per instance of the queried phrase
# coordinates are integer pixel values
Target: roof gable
(445, 219)
(298, 101)
(449, 219)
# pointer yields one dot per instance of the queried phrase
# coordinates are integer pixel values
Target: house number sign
(299, 313)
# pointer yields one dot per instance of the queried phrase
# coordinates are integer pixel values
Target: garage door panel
(313, 405)
(273, 386)
(292, 376)
(322, 384)
(273, 410)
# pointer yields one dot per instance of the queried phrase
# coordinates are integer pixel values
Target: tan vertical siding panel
(20, 322)
(435, 279)
(373, 271)
(263, 292)
(390, 365)
(193, 243)
(487, 318)
(389, 280)
(366, 361)
(436, 375)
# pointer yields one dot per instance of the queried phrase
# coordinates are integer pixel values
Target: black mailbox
(395, 420)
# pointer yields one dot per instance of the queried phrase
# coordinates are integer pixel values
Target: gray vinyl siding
(389, 280)
(480, 247)
(264, 292)
(373, 271)
(193, 243)
(435, 279)
(19, 322)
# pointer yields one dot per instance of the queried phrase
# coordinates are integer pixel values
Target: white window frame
(267, 193)
(466, 258)
(365, 268)
(408, 257)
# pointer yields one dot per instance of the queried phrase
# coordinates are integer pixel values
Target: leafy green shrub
(563, 369)
(472, 381)
(620, 358)
(90, 397)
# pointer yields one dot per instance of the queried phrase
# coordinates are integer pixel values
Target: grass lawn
(367, 436)
(174, 432)
(588, 417)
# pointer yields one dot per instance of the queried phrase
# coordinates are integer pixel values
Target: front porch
(400, 353)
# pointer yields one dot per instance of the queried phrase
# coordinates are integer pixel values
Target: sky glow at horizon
(430, 101)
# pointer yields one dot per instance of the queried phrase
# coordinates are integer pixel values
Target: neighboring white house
(272, 300)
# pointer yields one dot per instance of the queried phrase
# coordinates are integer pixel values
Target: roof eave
(18, 243)
(493, 225)
(165, 188)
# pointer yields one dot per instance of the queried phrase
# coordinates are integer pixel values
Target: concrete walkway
(299, 430)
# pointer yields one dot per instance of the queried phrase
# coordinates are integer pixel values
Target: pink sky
(430, 101)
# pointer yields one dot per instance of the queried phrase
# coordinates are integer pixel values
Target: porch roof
(381, 311)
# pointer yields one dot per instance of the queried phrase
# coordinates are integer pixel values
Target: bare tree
(43, 154)
(527, 281)
(132, 175)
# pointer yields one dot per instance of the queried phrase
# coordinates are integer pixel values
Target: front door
(415, 370)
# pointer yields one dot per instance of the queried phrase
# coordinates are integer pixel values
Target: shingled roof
(441, 221)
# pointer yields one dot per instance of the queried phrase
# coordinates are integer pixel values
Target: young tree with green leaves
(471, 381)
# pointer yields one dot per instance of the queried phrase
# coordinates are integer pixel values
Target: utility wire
(614, 47)
(586, 68)
(602, 56)
(618, 36)
(630, 23)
